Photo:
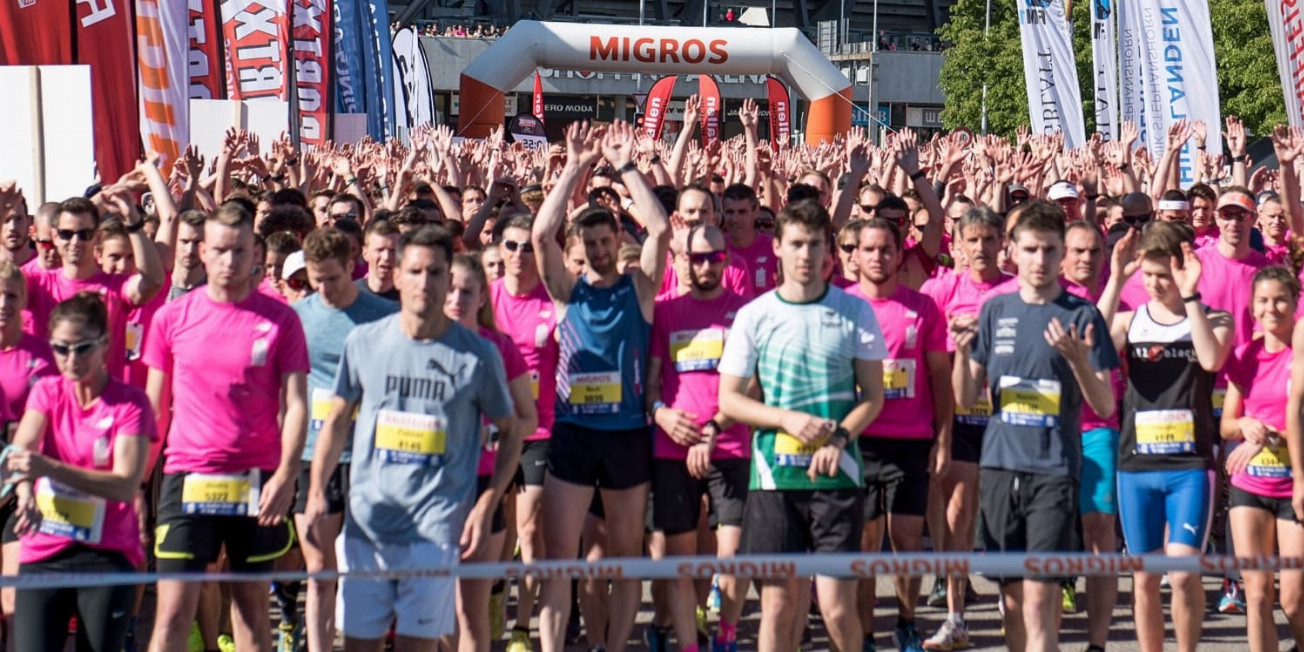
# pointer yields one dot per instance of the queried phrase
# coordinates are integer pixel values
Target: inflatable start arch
(529, 45)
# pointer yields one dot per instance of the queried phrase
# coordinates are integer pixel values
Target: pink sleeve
(41, 397)
(136, 417)
(658, 348)
(513, 361)
(291, 345)
(158, 345)
(738, 279)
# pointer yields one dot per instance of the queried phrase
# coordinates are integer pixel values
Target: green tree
(1247, 70)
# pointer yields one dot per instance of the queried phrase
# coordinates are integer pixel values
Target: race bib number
(1219, 396)
(978, 415)
(1165, 432)
(898, 379)
(1030, 402)
(1271, 462)
(789, 451)
(596, 393)
(697, 350)
(135, 335)
(68, 513)
(234, 494)
(407, 438)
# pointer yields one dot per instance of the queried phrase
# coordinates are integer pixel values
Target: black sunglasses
(1233, 215)
(847, 247)
(83, 234)
(524, 247)
(1138, 219)
(80, 348)
(868, 208)
(711, 257)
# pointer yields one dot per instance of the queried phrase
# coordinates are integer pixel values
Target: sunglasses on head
(80, 348)
(82, 234)
(711, 257)
(523, 246)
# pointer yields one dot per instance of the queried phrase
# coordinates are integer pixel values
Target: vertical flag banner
(658, 103)
(1179, 75)
(1284, 21)
(377, 68)
(1105, 66)
(347, 46)
(311, 45)
(780, 125)
(1054, 98)
(256, 33)
(206, 66)
(104, 38)
(36, 33)
(709, 93)
(537, 102)
(414, 97)
(1131, 92)
(162, 49)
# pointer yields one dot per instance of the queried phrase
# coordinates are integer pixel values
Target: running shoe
(703, 630)
(937, 597)
(718, 645)
(657, 638)
(497, 611)
(907, 638)
(1070, 599)
(1231, 601)
(225, 643)
(713, 599)
(952, 635)
(195, 641)
(520, 641)
(289, 637)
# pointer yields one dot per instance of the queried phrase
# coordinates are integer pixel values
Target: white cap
(1063, 190)
(293, 263)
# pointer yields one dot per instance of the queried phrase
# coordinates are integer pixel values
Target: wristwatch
(840, 437)
(134, 228)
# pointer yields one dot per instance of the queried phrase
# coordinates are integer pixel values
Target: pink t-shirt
(138, 321)
(1277, 254)
(688, 338)
(48, 287)
(227, 362)
(761, 260)
(957, 293)
(1227, 284)
(20, 367)
(516, 367)
(912, 326)
(1264, 381)
(268, 289)
(86, 438)
(29, 268)
(531, 322)
(737, 278)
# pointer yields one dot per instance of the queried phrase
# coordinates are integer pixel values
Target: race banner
(377, 68)
(104, 38)
(780, 125)
(709, 93)
(537, 100)
(1131, 90)
(36, 33)
(162, 49)
(1288, 42)
(256, 33)
(206, 67)
(1104, 57)
(1054, 98)
(658, 103)
(311, 44)
(414, 98)
(1179, 76)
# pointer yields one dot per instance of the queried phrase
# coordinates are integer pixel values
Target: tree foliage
(1247, 70)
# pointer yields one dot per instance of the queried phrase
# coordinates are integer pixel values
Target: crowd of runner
(389, 358)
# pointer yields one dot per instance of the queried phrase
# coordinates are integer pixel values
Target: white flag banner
(1054, 98)
(1131, 103)
(1104, 58)
(1288, 41)
(1179, 76)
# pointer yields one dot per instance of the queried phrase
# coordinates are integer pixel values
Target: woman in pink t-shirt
(468, 304)
(1254, 420)
(76, 463)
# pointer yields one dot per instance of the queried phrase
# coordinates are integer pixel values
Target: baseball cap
(1062, 190)
(293, 263)
(1238, 199)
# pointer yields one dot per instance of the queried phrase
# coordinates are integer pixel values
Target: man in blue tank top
(600, 438)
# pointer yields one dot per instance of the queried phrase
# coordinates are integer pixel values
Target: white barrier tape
(753, 567)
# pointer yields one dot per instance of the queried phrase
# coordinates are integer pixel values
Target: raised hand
(1235, 136)
(1186, 272)
(1067, 341)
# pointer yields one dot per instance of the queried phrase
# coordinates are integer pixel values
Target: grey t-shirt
(325, 329)
(417, 438)
(1036, 401)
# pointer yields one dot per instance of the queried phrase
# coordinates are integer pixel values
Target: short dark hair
(78, 206)
(432, 236)
(324, 244)
(287, 217)
(283, 242)
(517, 221)
(597, 216)
(379, 227)
(1203, 191)
(807, 212)
(800, 192)
(884, 225)
(1040, 216)
(739, 191)
(349, 228)
(292, 196)
(85, 309)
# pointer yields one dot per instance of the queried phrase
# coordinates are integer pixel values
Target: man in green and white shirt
(810, 346)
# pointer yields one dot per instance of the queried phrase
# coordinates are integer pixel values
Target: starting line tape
(851, 566)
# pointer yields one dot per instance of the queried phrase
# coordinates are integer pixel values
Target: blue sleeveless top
(604, 343)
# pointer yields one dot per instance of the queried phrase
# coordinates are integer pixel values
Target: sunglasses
(296, 284)
(82, 234)
(765, 224)
(524, 247)
(706, 257)
(351, 215)
(868, 208)
(847, 247)
(1138, 219)
(1233, 215)
(81, 348)
(44, 244)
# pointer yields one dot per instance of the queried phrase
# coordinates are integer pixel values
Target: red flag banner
(780, 128)
(205, 50)
(538, 97)
(658, 102)
(36, 33)
(312, 69)
(256, 36)
(105, 40)
(162, 46)
(709, 93)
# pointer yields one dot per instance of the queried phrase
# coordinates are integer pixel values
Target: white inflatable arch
(785, 53)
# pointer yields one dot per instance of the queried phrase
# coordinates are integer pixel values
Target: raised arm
(1235, 136)
(582, 150)
(149, 279)
(1288, 143)
(618, 147)
(691, 107)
